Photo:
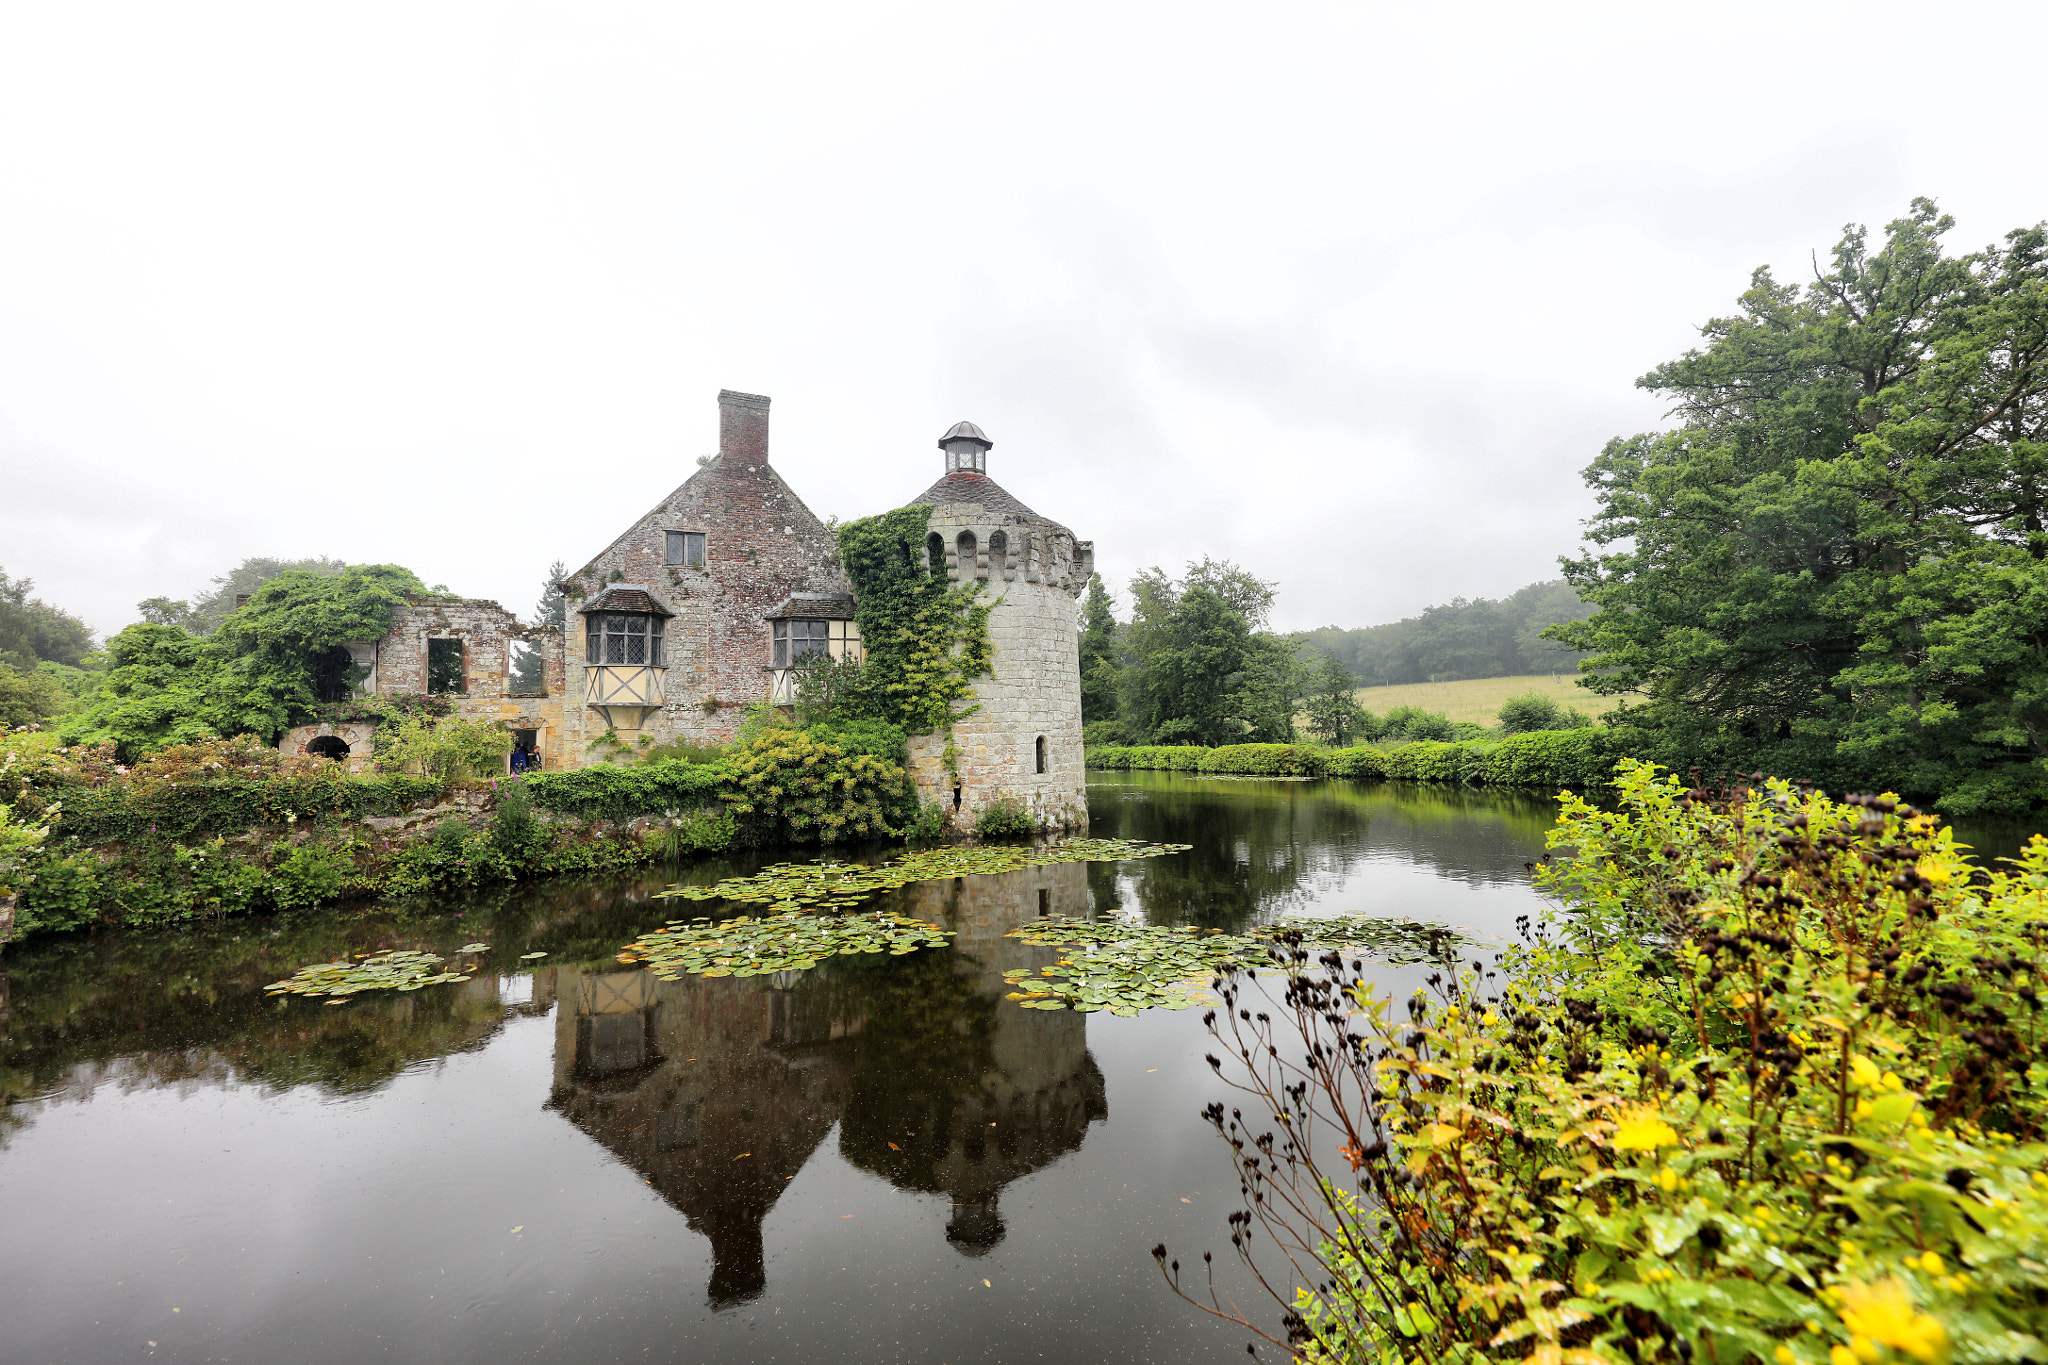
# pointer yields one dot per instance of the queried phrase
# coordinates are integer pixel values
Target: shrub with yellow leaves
(1765, 1086)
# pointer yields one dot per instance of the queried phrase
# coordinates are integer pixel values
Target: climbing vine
(925, 642)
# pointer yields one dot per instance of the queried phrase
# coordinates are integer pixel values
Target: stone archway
(328, 746)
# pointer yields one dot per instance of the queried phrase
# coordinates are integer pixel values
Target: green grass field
(1478, 699)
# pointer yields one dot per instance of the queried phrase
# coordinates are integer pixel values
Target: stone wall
(1033, 574)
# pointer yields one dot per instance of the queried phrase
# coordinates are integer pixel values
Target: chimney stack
(742, 427)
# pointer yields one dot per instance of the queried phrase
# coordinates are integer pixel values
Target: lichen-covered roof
(825, 606)
(616, 598)
(966, 486)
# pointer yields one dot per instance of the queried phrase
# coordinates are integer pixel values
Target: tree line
(1463, 638)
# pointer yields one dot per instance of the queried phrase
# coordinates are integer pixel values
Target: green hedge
(1360, 761)
(121, 813)
(1550, 758)
(622, 793)
(1539, 758)
(1265, 760)
(228, 805)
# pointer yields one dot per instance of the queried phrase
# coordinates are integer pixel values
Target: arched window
(330, 747)
(965, 545)
(935, 555)
(1041, 753)
(998, 554)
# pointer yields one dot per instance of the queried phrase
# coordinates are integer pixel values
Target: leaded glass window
(623, 638)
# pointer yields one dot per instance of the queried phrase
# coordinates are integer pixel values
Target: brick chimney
(742, 427)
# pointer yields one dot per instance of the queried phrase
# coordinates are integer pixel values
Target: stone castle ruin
(714, 599)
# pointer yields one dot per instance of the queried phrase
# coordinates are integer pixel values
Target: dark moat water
(877, 1160)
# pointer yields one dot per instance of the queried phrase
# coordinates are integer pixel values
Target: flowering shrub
(804, 786)
(1767, 1088)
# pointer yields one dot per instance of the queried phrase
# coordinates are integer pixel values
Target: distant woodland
(1464, 638)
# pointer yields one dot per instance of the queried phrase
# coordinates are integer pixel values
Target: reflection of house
(715, 598)
(718, 1091)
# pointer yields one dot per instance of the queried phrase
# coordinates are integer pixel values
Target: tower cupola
(967, 448)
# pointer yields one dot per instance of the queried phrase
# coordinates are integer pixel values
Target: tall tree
(551, 611)
(1331, 703)
(31, 629)
(1834, 566)
(1195, 670)
(1098, 653)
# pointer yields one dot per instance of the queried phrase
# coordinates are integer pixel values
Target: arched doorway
(329, 746)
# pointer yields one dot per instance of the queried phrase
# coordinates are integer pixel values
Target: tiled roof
(965, 486)
(624, 599)
(826, 606)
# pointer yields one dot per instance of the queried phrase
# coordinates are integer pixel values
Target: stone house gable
(760, 545)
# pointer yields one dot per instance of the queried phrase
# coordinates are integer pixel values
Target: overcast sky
(1348, 294)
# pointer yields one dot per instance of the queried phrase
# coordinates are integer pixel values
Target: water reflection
(718, 1091)
(1265, 849)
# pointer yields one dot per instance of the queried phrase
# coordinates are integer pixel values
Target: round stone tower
(1025, 740)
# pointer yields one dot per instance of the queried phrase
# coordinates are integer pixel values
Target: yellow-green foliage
(1768, 1088)
(804, 787)
(446, 748)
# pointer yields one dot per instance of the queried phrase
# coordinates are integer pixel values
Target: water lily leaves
(833, 885)
(792, 941)
(528, 957)
(474, 948)
(395, 970)
(1124, 968)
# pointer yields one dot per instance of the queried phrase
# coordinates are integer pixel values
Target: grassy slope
(1477, 699)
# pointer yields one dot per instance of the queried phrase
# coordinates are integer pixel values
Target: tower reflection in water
(717, 1091)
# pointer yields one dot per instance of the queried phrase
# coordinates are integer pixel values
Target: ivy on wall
(925, 641)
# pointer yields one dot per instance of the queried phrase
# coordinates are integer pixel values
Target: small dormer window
(686, 548)
(798, 639)
(623, 638)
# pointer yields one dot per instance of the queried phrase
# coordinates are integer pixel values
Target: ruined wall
(762, 544)
(1033, 574)
(397, 664)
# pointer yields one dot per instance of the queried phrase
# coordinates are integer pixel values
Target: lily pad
(396, 970)
(746, 946)
(1124, 968)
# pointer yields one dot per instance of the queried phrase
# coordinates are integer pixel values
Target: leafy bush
(1004, 814)
(26, 698)
(310, 873)
(793, 784)
(1361, 761)
(1432, 761)
(1266, 760)
(622, 793)
(1768, 1088)
(1529, 711)
(59, 893)
(1548, 758)
(1413, 723)
(448, 748)
(707, 829)
(1103, 733)
(120, 811)
(683, 751)
(927, 824)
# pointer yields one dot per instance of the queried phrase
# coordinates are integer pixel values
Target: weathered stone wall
(1033, 570)
(762, 544)
(357, 735)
